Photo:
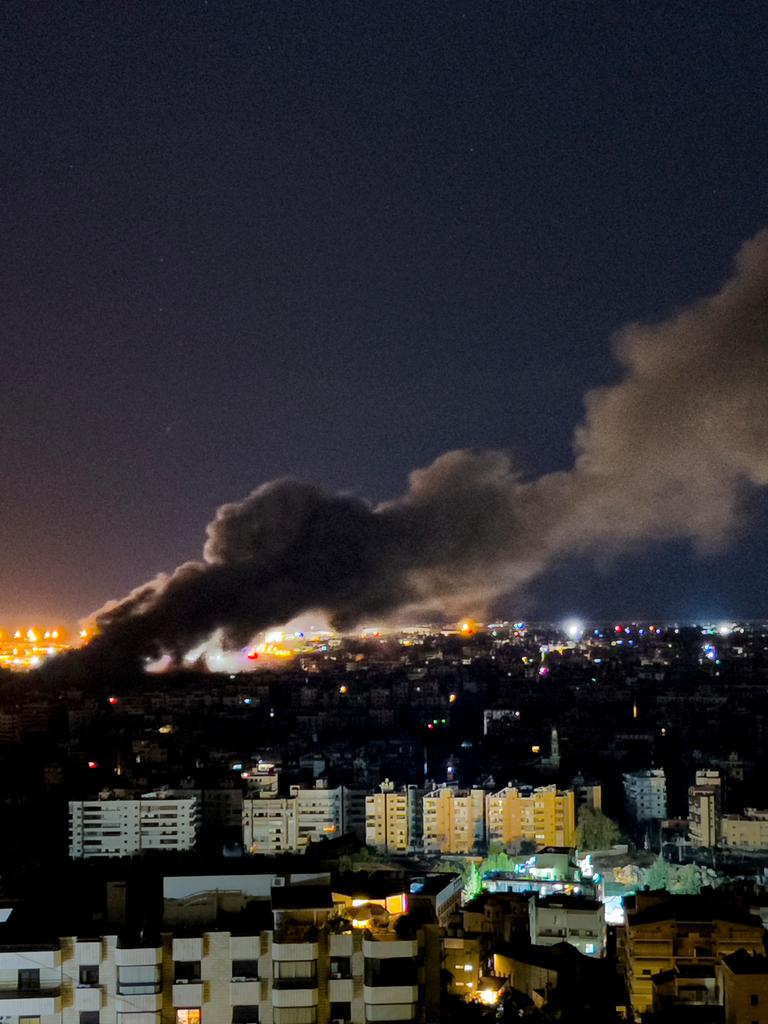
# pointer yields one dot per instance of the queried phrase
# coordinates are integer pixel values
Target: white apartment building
(269, 825)
(273, 824)
(645, 794)
(298, 972)
(119, 825)
(393, 818)
(574, 919)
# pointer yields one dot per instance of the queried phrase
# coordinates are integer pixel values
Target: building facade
(574, 919)
(645, 795)
(667, 933)
(311, 966)
(705, 808)
(393, 818)
(118, 825)
(545, 816)
(454, 820)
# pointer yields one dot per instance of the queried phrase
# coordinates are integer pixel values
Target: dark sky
(331, 240)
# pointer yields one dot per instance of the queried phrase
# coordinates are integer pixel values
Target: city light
(574, 629)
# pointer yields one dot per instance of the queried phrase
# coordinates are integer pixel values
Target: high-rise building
(645, 794)
(393, 818)
(121, 825)
(454, 820)
(545, 816)
(705, 808)
(274, 824)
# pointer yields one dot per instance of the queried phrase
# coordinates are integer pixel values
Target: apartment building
(645, 794)
(269, 825)
(274, 824)
(454, 820)
(393, 818)
(743, 981)
(311, 963)
(748, 831)
(574, 919)
(121, 825)
(545, 816)
(671, 933)
(705, 808)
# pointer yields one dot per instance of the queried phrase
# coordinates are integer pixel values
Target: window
(294, 974)
(186, 971)
(754, 1000)
(89, 976)
(341, 967)
(341, 1012)
(89, 1017)
(391, 971)
(138, 980)
(189, 1016)
(29, 979)
(245, 970)
(30, 1020)
(245, 1015)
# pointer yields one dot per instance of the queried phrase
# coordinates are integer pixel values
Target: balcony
(295, 997)
(29, 1002)
(381, 995)
(188, 948)
(189, 993)
(386, 945)
(88, 997)
(341, 945)
(294, 950)
(245, 993)
(341, 990)
(287, 984)
(138, 956)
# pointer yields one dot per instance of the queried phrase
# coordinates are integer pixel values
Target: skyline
(328, 246)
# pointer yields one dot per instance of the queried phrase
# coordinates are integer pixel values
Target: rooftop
(742, 962)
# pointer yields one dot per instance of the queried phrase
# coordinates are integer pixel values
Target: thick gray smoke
(671, 451)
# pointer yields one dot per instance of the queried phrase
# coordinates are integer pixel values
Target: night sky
(332, 240)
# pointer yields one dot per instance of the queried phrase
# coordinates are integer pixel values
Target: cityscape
(384, 446)
(515, 809)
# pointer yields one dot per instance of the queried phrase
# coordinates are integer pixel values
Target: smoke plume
(670, 451)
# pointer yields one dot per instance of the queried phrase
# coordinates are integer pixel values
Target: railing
(139, 988)
(294, 983)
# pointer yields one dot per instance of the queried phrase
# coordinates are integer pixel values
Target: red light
(93, 764)
(619, 629)
(253, 655)
(430, 726)
(113, 700)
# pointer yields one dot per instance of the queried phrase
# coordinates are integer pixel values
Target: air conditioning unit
(244, 978)
(181, 981)
(338, 1020)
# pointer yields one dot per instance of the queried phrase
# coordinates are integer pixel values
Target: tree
(473, 883)
(657, 875)
(595, 830)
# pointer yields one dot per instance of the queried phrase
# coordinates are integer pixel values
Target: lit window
(189, 1016)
